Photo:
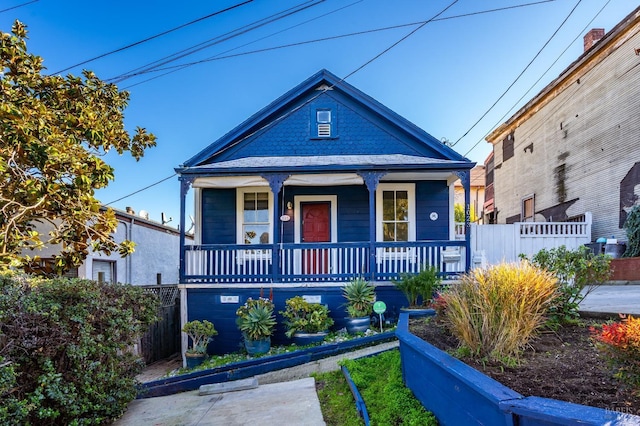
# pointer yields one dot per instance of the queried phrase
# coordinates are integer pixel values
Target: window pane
(323, 116)
(262, 207)
(402, 205)
(388, 232)
(402, 232)
(256, 234)
(388, 205)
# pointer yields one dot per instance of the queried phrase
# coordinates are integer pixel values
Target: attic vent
(324, 130)
(324, 87)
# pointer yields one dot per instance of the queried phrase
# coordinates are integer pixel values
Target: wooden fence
(163, 337)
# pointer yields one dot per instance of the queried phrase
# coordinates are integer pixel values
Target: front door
(316, 229)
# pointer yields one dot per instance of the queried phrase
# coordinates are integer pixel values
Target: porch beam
(276, 181)
(185, 184)
(372, 179)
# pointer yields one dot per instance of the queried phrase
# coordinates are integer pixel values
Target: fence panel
(163, 337)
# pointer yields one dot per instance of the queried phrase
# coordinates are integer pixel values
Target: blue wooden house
(323, 185)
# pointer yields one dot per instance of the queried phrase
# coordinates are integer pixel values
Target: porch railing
(319, 262)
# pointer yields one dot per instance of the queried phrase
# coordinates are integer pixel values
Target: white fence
(491, 244)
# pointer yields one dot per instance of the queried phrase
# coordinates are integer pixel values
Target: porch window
(255, 214)
(395, 210)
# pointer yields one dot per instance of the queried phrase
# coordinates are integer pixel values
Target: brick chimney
(592, 37)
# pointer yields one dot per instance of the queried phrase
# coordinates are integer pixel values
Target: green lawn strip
(379, 380)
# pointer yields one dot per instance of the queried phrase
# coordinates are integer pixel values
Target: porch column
(465, 178)
(185, 184)
(275, 183)
(371, 179)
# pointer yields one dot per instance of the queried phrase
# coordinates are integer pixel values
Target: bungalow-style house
(323, 185)
(573, 147)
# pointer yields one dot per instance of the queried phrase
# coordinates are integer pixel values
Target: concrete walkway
(611, 300)
(286, 397)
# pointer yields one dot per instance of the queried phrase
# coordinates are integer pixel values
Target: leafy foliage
(256, 319)
(632, 227)
(458, 213)
(53, 130)
(302, 316)
(199, 332)
(360, 295)
(420, 288)
(496, 311)
(578, 272)
(620, 343)
(65, 355)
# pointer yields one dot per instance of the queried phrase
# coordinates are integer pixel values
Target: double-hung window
(255, 213)
(395, 210)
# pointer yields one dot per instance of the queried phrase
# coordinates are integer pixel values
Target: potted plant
(420, 289)
(200, 332)
(360, 295)
(256, 321)
(306, 322)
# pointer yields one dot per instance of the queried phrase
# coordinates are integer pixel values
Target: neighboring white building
(154, 261)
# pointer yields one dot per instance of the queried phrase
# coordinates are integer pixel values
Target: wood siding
(580, 146)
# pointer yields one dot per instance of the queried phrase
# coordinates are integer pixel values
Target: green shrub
(66, 349)
(419, 289)
(495, 311)
(578, 272)
(302, 316)
(632, 227)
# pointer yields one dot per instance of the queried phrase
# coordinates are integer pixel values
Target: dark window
(507, 146)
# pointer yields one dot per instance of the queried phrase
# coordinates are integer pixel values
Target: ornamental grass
(495, 311)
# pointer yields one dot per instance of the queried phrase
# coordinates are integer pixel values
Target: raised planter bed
(459, 394)
(252, 367)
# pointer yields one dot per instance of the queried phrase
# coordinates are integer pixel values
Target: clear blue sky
(443, 78)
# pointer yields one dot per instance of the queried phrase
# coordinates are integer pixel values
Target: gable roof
(292, 102)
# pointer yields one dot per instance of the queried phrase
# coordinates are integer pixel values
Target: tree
(53, 131)
(459, 214)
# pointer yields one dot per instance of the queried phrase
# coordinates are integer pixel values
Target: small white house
(154, 261)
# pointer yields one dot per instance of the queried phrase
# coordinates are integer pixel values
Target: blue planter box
(460, 395)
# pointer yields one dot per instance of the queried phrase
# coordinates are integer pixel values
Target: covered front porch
(377, 225)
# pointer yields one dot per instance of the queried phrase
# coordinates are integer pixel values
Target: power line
(216, 40)
(519, 75)
(222, 55)
(155, 36)
(540, 78)
(140, 190)
(20, 5)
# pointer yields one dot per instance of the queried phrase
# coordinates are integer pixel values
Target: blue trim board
(360, 405)
(458, 394)
(249, 368)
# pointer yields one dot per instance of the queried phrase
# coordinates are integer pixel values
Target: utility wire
(519, 75)
(501, 120)
(20, 5)
(155, 36)
(222, 55)
(140, 190)
(216, 40)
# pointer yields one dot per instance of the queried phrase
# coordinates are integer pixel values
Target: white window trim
(297, 201)
(411, 193)
(266, 254)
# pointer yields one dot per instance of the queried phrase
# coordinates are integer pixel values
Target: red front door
(316, 229)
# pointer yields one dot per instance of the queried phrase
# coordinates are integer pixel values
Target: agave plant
(256, 319)
(360, 295)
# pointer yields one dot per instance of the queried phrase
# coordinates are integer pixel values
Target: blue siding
(353, 211)
(204, 303)
(218, 216)
(359, 131)
(432, 196)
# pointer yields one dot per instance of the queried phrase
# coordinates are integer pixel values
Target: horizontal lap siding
(432, 196)
(218, 216)
(204, 304)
